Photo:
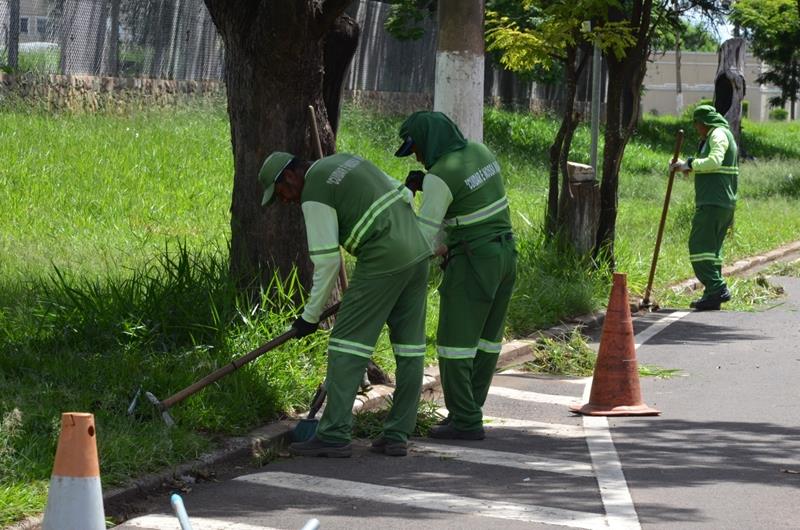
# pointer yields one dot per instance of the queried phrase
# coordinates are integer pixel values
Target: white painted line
(428, 500)
(170, 522)
(617, 500)
(556, 430)
(504, 459)
(658, 326)
(524, 395)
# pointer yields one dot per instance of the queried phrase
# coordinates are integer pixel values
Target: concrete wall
(698, 70)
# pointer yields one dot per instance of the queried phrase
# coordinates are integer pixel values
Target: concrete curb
(744, 265)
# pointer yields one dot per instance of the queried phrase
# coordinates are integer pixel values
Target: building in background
(698, 70)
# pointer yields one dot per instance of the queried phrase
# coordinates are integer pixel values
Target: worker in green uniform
(716, 179)
(348, 201)
(464, 216)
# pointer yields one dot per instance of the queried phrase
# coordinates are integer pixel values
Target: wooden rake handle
(665, 209)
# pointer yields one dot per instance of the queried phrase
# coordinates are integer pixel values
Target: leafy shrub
(778, 114)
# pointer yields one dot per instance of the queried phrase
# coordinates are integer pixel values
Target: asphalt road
(724, 454)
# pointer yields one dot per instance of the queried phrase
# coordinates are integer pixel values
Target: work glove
(303, 328)
(680, 165)
(414, 181)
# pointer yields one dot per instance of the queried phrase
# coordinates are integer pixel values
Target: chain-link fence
(162, 39)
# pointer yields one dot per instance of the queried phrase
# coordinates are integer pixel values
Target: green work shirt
(716, 170)
(347, 200)
(463, 193)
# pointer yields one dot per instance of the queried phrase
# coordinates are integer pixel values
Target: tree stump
(729, 85)
(579, 208)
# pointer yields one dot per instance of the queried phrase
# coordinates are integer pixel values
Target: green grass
(113, 271)
(785, 269)
(369, 424)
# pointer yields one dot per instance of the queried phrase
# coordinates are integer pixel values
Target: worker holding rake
(347, 200)
(465, 217)
(716, 179)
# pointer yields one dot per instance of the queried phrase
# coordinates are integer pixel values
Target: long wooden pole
(676, 154)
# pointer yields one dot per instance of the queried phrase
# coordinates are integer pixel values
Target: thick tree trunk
(460, 65)
(13, 34)
(273, 72)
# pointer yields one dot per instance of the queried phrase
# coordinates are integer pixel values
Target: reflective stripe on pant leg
(407, 332)
(458, 398)
(343, 379)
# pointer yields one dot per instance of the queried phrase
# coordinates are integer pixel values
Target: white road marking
(557, 430)
(505, 459)
(170, 522)
(617, 500)
(537, 397)
(417, 499)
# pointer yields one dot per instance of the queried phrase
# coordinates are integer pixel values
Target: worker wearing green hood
(716, 180)
(465, 217)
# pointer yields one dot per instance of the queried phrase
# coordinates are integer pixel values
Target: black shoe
(389, 447)
(724, 295)
(694, 303)
(448, 432)
(444, 421)
(316, 447)
(707, 304)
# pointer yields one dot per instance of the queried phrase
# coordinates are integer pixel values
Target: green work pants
(709, 226)
(398, 300)
(475, 294)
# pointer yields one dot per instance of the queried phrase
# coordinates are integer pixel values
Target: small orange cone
(75, 498)
(615, 384)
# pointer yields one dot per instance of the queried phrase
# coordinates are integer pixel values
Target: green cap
(270, 171)
(709, 116)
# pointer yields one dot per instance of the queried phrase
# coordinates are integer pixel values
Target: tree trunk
(13, 34)
(626, 76)
(460, 65)
(100, 37)
(729, 85)
(273, 72)
(340, 47)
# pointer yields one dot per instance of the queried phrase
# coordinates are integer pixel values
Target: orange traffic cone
(75, 499)
(615, 384)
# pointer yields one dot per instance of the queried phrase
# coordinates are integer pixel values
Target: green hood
(709, 116)
(434, 135)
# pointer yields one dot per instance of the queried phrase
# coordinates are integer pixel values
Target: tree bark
(340, 47)
(13, 34)
(273, 71)
(112, 67)
(729, 85)
(626, 76)
(460, 65)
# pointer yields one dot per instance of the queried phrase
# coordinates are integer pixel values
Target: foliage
(695, 37)
(569, 355)
(537, 33)
(406, 17)
(773, 29)
(779, 114)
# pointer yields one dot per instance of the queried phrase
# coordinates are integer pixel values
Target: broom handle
(318, 145)
(238, 363)
(678, 144)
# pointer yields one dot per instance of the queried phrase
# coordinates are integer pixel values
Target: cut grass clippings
(570, 355)
(369, 424)
(747, 294)
(784, 269)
